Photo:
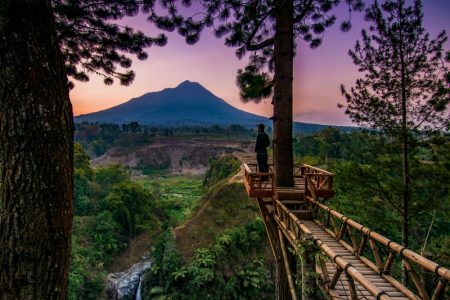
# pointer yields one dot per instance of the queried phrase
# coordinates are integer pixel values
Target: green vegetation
(221, 253)
(213, 246)
(232, 268)
(97, 138)
(369, 178)
(179, 195)
(109, 210)
(220, 168)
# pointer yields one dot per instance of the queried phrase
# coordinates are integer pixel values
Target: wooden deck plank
(341, 286)
(293, 198)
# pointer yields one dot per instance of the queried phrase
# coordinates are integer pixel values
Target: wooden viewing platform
(356, 262)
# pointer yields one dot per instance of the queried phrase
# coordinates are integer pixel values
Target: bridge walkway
(355, 262)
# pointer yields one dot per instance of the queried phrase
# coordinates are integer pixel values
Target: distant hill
(187, 104)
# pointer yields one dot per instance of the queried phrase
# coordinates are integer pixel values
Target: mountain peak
(188, 83)
(188, 103)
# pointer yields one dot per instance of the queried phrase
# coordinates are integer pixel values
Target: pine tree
(267, 31)
(36, 155)
(91, 41)
(42, 42)
(404, 92)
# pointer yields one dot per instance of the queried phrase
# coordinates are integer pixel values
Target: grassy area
(228, 207)
(180, 195)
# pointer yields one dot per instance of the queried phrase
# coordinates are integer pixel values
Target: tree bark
(282, 98)
(36, 155)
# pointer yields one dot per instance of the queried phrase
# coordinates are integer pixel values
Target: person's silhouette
(262, 142)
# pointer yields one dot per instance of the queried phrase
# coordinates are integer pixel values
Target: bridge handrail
(391, 245)
(258, 184)
(349, 226)
(315, 170)
(283, 215)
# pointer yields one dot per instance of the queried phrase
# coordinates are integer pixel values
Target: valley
(191, 195)
(172, 201)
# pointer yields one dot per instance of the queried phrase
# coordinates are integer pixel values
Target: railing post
(351, 287)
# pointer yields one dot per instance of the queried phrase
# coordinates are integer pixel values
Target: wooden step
(286, 194)
(293, 202)
(303, 214)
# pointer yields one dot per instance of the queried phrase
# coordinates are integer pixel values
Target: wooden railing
(258, 184)
(318, 182)
(383, 256)
(294, 229)
(355, 237)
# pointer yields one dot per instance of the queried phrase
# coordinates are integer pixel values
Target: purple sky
(318, 73)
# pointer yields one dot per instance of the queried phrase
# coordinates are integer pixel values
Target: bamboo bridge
(349, 261)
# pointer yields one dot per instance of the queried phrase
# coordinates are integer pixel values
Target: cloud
(322, 117)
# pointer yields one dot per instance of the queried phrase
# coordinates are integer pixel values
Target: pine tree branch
(262, 45)
(255, 30)
(305, 10)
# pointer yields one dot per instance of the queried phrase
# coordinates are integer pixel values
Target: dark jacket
(262, 142)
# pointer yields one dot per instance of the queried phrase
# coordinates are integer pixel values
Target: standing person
(262, 142)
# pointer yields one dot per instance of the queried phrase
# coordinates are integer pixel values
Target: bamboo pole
(388, 263)
(376, 254)
(286, 266)
(370, 264)
(342, 231)
(352, 237)
(361, 246)
(323, 267)
(333, 222)
(342, 263)
(269, 229)
(423, 293)
(406, 253)
(335, 278)
(439, 289)
(351, 287)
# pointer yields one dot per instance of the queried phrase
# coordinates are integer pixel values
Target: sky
(318, 73)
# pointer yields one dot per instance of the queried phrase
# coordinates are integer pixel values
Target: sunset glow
(317, 73)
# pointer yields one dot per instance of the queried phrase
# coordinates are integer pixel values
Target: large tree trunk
(282, 98)
(36, 155)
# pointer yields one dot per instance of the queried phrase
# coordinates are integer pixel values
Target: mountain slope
(187, 104)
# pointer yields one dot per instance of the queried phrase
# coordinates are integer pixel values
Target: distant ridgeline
(188, 104)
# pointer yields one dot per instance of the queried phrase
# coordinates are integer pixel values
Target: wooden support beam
(351, 287)
(361, 246)
(439, 290)
(388, 263)
(342, 231)
(422, 292)
(352, 237)
(323, 268)
(335, 229)
(269, 226)
(376, 254)
(287, 266)
(335, 278)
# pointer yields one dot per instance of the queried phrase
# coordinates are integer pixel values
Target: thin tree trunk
(36, 155)
(282, 99)
(404, 141)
